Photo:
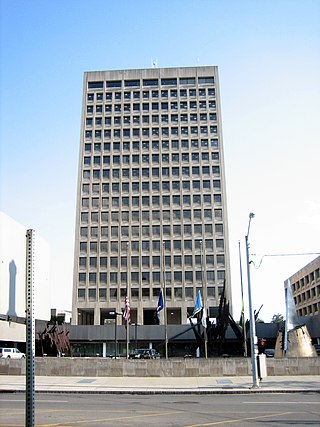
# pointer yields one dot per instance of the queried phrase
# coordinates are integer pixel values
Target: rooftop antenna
(154, 62)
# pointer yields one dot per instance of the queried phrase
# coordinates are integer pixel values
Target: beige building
(306, 289)
(151, 208)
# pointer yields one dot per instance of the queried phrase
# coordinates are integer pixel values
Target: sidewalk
(162, 385)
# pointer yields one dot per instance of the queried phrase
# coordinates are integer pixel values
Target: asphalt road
(87, 410)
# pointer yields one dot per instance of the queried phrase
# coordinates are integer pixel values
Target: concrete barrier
(215, 367)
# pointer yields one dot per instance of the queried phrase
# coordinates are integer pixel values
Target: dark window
(95, 85)
(187, 81)
(150, 82)
(168, 81)
(206, 80)
(129, 83)
(114, 83)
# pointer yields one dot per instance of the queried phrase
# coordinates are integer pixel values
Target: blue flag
(198, 305)
(160, 305)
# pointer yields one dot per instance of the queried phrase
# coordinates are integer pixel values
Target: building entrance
(149, 317)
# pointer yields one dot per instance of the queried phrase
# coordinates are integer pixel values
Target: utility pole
(253, 337)
(243, 319)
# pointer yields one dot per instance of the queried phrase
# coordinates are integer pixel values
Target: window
(209, 244)
(206, 80)
(187, 81)
(95, 85)
(114, 83)
(92, 278)
(82, 278)
(81, 294)
(130, 83)
(166, 82)
(150, 82)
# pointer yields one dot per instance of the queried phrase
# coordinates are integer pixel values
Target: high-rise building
(151, 208)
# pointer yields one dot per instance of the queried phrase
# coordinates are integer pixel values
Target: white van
(11, 353)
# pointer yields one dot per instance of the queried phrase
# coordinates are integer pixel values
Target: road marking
(109, 420)
(37, 401)
(280, 403)
(239, 420)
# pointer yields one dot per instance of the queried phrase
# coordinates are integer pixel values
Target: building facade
(13, 255)
(305, 285)
(151, 206)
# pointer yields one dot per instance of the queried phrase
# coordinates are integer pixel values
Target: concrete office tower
(151, 209)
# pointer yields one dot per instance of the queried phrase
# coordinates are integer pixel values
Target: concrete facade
(305, 285)
(151, 209)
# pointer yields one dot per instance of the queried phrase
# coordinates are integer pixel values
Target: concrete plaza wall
(215, 367)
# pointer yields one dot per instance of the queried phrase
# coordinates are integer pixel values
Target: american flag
(126, 311)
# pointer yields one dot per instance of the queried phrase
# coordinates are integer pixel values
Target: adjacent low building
(13, 280)
(305, 285)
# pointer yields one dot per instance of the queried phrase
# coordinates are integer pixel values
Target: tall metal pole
(243, 319)
(30, 330)
(204, 291)
(128, 296)
(164, 300)
(253, 337)
(115, 335)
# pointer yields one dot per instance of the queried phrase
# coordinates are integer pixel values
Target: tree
(277, 318)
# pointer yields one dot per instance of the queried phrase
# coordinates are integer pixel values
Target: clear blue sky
(268, 54)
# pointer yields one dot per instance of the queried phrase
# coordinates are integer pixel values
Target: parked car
(269, 352)
(11, 353)
(144, 353)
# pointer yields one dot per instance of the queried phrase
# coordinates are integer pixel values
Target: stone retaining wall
(215, 367)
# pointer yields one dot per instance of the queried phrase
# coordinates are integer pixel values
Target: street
(93, 410)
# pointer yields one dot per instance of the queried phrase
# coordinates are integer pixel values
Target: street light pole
(243, 319)
(255, 378)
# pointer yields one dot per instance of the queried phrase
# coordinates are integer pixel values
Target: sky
(268, 54)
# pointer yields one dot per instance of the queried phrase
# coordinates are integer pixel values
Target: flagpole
(242, 308)
(164, 300)
(204, 290)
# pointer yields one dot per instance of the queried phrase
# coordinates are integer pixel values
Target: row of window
(137, 201)
(145, 246)
(152, 106)
(155, 231)
(308, 279)
(155, 94)
(309, 310)
(166, 215)
(174, 201)
(172, 81)
(144, 260)
(146, 277)
(113, 293)
(174, 145)
(308, 295)
(182, 172)
(173, 157)
(154, 119)
(155, 132)
(136, 159)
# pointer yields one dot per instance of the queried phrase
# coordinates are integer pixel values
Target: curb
(168, 392)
